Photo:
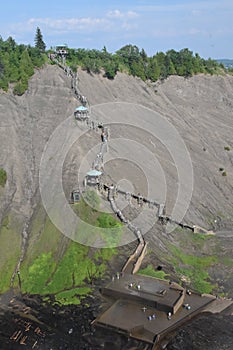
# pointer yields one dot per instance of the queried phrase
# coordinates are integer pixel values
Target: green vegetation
(55, 265)
(17, 63)
(3, 177)
(9, 250)
(227, 148)
(87, 210)
(197, 241)
(67, 278)
(92, 199)
(39, 43)
(37, 274)
(136, 62)
(227, 261)
(194, 268)
(224, 173)
(72, 297)
(150, 271)
(113, 235)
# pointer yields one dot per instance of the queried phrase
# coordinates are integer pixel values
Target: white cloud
(196, 31)
(112, 21)
(122, 15)
(70, 24)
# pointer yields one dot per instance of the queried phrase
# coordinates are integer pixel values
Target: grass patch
(114, 229)
(104, 254)
(43, 273)
(95, 219)
(227, 261)
(150, 271)
(44, 238)
(91, 199)
(3, 177)
(46, 276)
(193, 267)
(72, 297)
(35, 279)
(87, 208)
(9, 251)
(196, 241)
(54, 264)
(75, 270)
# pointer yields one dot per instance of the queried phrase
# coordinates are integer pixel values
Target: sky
(204, 26)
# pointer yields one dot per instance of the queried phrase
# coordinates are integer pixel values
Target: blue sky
(156, 25)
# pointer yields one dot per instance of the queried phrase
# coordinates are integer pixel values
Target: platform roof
(150, 289)
(94, 173)
(132, 317)
(81, 108)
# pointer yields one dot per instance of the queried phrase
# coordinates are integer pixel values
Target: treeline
(137, 63)
(17, 63)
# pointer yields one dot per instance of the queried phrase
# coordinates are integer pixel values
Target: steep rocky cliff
(200, 108)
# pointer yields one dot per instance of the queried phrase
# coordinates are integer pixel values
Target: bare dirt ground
(200, 108)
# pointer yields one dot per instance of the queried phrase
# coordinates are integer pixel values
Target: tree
(169, 66)
(110, 68)
(26, 66)
(153, 70)
(128, 54)
(144, 56)
(39, 43)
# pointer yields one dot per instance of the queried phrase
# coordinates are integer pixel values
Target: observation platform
(148, 308)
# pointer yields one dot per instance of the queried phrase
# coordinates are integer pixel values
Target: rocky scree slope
(200, 108)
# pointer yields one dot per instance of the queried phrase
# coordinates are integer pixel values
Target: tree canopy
(17, 63)
(136, 62)
(39, 43)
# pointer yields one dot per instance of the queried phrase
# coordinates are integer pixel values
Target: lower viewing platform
(147, 308)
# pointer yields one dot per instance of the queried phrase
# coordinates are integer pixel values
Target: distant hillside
(228, 63)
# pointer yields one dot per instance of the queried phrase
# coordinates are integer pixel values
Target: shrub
(227, 148)
(20, 88)
(4, 84)
(3, 177)
(224, 173)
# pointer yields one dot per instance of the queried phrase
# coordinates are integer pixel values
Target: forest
(136, 62)
(18, 62)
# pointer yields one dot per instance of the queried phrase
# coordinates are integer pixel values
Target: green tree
(39, 43)
(26, 66)
(128, 54)
(110, 68)
(153, 69)
(169, 66)
(137, 69)
(143, 55)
